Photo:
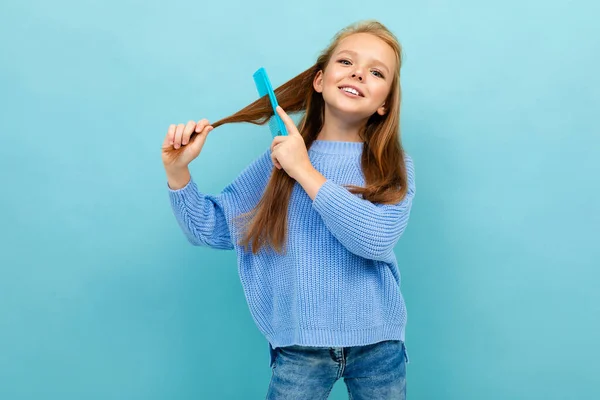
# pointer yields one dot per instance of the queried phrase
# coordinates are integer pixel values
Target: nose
(358, 75)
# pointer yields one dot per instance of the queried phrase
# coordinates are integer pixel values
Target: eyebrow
(355, 54)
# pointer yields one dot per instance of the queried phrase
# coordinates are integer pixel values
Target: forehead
(370, 47)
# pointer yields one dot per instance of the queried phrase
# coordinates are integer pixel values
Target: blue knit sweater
(338, 284)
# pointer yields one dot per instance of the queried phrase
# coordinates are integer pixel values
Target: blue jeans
(375, 372)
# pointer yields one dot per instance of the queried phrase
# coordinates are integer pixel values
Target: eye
(344, 61)
(377, 73)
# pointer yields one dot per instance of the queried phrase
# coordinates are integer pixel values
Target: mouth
(351, 90)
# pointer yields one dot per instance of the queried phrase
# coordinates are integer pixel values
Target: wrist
(304, 172)
(311, 181)
(177, 177)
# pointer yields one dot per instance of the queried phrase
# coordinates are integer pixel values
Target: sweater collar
(335, 147)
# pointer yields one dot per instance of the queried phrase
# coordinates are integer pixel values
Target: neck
(339, 128)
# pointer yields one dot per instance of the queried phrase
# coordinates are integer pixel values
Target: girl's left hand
(289, 152)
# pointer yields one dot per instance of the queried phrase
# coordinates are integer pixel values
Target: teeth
(350, 90)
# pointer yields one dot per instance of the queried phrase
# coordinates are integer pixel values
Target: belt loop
(273, 355)
(405, 353)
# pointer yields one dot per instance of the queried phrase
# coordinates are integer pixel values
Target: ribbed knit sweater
(338, 283)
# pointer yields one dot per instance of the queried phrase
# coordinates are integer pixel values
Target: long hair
(382, 159)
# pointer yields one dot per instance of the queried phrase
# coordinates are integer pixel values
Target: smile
(351, 91)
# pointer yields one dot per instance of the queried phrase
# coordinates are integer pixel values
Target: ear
(318, 82)
(381, 110)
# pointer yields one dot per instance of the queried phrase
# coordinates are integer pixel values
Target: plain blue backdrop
(101, 296)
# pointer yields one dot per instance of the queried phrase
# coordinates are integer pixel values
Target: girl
(314, 220)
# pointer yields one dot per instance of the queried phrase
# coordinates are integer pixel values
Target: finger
(287, 120)
(198, 142)
(170, 135)
(275, 162)
(277, 140)
(201, 125)
(178, 135)
(187, 132)
(206, 130)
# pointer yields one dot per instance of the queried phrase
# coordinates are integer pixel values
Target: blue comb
(263, 85)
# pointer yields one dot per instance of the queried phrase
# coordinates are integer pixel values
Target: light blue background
(101, 297)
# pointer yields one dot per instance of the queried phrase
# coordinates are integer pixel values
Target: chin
(348, 107)
(351, 111)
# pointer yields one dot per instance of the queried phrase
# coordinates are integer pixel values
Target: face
(358, 77)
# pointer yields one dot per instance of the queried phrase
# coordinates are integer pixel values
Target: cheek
(330, 86)
(329, 81)
(332, 78)
(380, 92)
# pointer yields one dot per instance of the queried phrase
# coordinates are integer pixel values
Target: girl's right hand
(179, 136)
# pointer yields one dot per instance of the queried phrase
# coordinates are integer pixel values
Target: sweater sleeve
(203, 217)
(366, 229)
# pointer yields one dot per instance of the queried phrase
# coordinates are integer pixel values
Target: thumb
(198, 142)
(288, 121)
